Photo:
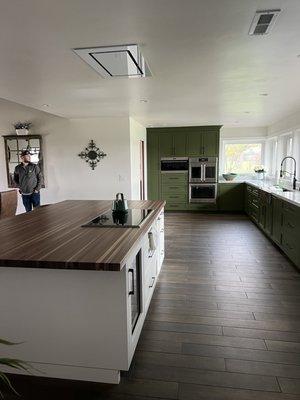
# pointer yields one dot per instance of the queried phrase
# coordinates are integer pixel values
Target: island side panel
(65, 318)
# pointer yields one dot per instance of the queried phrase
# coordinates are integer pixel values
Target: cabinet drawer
(175, 206)
(255, 204)
(171, 189)
(175, 197)
(174, 178)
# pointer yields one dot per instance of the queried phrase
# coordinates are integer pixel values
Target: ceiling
(206, 68)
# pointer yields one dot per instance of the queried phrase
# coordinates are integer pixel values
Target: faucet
(295, 169)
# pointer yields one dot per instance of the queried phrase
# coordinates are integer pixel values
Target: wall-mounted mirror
(14, 145)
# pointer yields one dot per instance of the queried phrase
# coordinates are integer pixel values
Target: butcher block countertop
(52, 237)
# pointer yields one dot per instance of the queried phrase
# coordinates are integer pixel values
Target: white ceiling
(206, 68)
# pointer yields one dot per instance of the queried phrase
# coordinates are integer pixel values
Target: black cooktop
(132, 218)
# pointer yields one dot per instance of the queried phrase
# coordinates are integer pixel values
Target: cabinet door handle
(131, 271)
(290, 225)
(152, 283)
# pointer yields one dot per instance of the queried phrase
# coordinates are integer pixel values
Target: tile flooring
(224, 322)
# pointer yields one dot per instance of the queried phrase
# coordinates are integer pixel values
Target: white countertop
(292, 197)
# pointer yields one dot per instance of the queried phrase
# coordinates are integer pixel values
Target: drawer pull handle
(152, 283)
(131, 271)
(290, 225)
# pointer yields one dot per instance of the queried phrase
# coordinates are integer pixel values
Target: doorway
(142, 169)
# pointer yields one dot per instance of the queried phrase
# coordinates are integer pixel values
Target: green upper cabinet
(152, 152)
(193, 144)
(179, 144)
(166, 147)
(203, 141)
(210, 141)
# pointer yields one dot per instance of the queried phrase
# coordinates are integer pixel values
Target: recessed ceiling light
(144, 101)
(264, 94)
(247, 112)
(45, 105)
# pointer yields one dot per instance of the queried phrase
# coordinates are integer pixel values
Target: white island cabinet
(81, 324)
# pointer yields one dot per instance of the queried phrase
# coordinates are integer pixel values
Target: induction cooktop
(132, 218)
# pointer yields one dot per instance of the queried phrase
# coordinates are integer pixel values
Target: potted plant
(22, 128)
(260, 171)
(12, 363)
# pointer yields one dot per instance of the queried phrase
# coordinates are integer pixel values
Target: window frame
(253, 140)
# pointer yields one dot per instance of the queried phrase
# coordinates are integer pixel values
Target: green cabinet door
(179, 144)
(277, 220)
(166, 148)
(269, 214)
(153, 151)
(193, 144)
(231, 197)
(153, 185)
(210, 144)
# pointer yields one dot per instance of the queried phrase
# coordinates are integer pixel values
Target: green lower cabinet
(276, 220)
(202, 207)
(231, 196)
(291, 232)
(279, 219)
(153, 185)
(174, 190)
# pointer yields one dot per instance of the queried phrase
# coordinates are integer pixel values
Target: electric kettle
(120, 204)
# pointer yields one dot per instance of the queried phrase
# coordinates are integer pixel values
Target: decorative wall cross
(92, 154)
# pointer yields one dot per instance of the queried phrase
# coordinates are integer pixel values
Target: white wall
(66, 175)
(72, 176)
(291, 122)
(245, 133)
(137, 133)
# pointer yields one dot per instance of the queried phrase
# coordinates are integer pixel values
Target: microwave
(174, 164)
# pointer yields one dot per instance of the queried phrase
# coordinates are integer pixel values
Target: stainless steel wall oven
(203, 169)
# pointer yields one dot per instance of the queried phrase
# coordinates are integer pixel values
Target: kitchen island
(77, 297)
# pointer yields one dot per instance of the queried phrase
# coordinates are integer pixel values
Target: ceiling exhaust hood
(116, 61)
(263, 22)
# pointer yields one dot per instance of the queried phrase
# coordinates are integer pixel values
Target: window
(278, 147)
(241, 157)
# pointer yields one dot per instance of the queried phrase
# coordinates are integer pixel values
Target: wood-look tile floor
(223, 324)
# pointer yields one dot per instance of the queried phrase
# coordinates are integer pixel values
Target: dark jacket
(28, 178)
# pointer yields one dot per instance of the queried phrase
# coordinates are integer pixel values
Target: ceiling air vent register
(263, 22)
(116, 61)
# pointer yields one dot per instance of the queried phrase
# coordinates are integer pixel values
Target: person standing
(29, 179)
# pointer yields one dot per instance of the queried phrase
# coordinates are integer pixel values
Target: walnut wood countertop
(52, 237)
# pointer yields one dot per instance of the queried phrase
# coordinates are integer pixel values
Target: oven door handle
(202, 173)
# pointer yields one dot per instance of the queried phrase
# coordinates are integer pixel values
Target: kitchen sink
(281, 189)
